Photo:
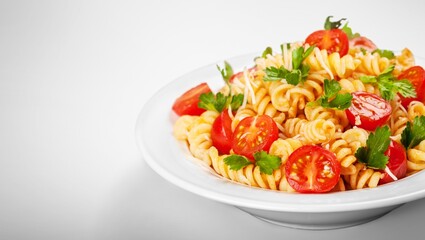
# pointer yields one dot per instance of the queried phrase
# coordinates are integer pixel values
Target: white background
(74, 76)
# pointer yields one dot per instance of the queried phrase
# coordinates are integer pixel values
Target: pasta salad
(330, 113)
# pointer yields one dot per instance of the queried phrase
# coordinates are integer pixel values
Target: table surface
(74, 76)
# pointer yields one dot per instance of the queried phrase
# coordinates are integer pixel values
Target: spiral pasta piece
(249, 175)
(337, 117)
(344, 154)
(333, 64)
(293, 126)
(415, 109)
(182, 126)
(403, 61)
(372, 64)
(318, 131)
(349, 85)
(363, 177)
(277, 91)
(416, 158)
(199, 136)
(355, 137)
(284, 147)
(398, 120)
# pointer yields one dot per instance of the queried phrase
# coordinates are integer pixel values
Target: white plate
(171, 159)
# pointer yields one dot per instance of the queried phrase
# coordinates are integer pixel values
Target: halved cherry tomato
(397, 162)
(187, 103)
(334, 40)
(363, 42)
(254, 134)
(368, 110)
(416, 75)
(312, 169)
(221, 132)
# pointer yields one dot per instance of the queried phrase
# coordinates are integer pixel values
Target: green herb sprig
(267, 163)
(389, 85)
(299, 71)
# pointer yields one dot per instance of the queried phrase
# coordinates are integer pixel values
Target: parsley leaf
(349, 32)
(267, 51)
(373, 154)
(236, 162)
(266, 162)
(226, 72)
(389, 85)
(275, 74)
(414, 133)
(333, 25)
(385, 53)
(219, 102)
(331, 98)
(299, 70)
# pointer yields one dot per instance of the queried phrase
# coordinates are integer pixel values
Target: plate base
(320, 221)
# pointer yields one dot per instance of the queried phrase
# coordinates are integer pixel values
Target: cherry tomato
(334, 40)
(416, 75)
(254, 134)
(221, 132)
(363, 42)
(397, 162)
(312, 169)
(368, 110)
(187, 103)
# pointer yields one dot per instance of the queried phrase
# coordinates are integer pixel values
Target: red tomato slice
(221, 132)
(187, 103)
(254, 134)
(312, 169)
(368, 110)
(334, 40)
(363, 42)
(416, 75)
(397, 162)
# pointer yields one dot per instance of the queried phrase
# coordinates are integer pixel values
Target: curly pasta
(318, 131)
(354, 85)
(363, 177)
(249, 175)
(416, 158)
(372, 64)
(404, 61)
(333, 64)
(287, 105)
(199, 136)
(337, 117)
(415, 109)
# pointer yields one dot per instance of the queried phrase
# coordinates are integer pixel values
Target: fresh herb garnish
(349, 32)
(373, 154)
(299, 70)
(236, 162)
(267, 51)
(389, 85)
(218, 102)
(333, 25)
(226, 72)
(385, 53)
(332, 98)
(267, 163)
(414, 133)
